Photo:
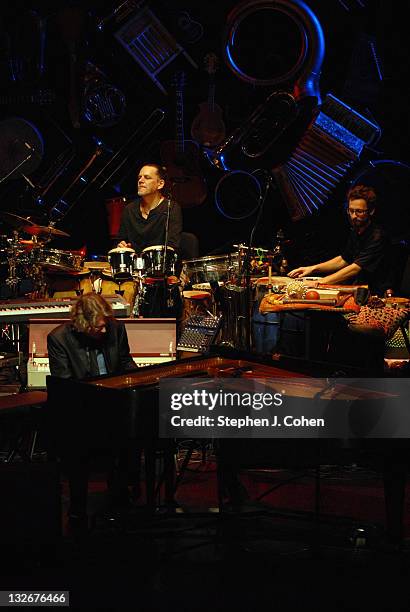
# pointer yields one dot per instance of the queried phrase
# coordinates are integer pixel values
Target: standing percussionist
(364, 259)
(144, 220)
(153, 221)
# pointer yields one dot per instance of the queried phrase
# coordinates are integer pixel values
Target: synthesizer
(14, 311)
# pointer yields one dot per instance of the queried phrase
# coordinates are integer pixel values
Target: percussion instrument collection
(153, 282)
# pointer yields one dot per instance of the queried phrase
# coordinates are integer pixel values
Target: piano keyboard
(38, 368)
(15, 312)
(330, 146)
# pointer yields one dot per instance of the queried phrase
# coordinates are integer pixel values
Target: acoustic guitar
(182, 159)
(208, 128)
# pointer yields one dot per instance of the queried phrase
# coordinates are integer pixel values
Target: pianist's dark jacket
(69, 351)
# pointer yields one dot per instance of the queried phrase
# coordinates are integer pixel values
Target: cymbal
(44, 230)
(15, 220)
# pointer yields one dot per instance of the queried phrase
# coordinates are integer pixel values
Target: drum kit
(32, 259)
(146, 280)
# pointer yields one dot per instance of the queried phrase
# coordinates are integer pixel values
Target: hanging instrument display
(332, 143)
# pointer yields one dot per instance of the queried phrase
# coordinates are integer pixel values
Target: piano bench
(19, 417)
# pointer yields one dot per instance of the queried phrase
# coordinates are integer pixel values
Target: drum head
(196, 295)
(205, 286)
(121, 250)
(159, 247)
(97, 265)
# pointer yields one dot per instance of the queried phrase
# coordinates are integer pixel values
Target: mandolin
(182, 159)
(208, 128)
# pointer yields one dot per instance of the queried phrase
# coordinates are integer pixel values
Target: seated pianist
(91, 344)
(364, 259)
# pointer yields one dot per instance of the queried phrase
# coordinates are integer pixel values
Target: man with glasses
(364, 258)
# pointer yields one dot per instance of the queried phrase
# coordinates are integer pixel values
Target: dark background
(349, 71)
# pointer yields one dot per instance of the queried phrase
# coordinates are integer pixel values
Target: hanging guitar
(208, 128)
(182, 158)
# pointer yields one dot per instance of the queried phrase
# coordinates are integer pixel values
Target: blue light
(376, 60)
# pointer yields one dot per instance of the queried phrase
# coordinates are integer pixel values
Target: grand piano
(115, 411)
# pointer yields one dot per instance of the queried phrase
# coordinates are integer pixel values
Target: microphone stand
(246, 264)
(164, 256)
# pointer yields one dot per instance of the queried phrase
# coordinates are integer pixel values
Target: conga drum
(68, 284)
(196, 302)
(159, 298)
(115, 286)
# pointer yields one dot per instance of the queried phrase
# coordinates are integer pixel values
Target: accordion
(332, 143)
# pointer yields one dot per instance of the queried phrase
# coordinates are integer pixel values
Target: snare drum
(56, 260)
(121, 262)
(111, 286)
(68, 285)
(153, 257)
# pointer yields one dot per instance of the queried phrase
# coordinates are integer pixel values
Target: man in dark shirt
(144, 220)
(364, 259)
(150, 222)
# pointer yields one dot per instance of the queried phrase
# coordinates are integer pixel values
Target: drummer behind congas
(144, 220)
(365, 257)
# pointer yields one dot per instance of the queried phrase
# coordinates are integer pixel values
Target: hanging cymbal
(44, 230)
(15, 220)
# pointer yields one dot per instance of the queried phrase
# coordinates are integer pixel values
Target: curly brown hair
(87, 311)
(362, 192)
